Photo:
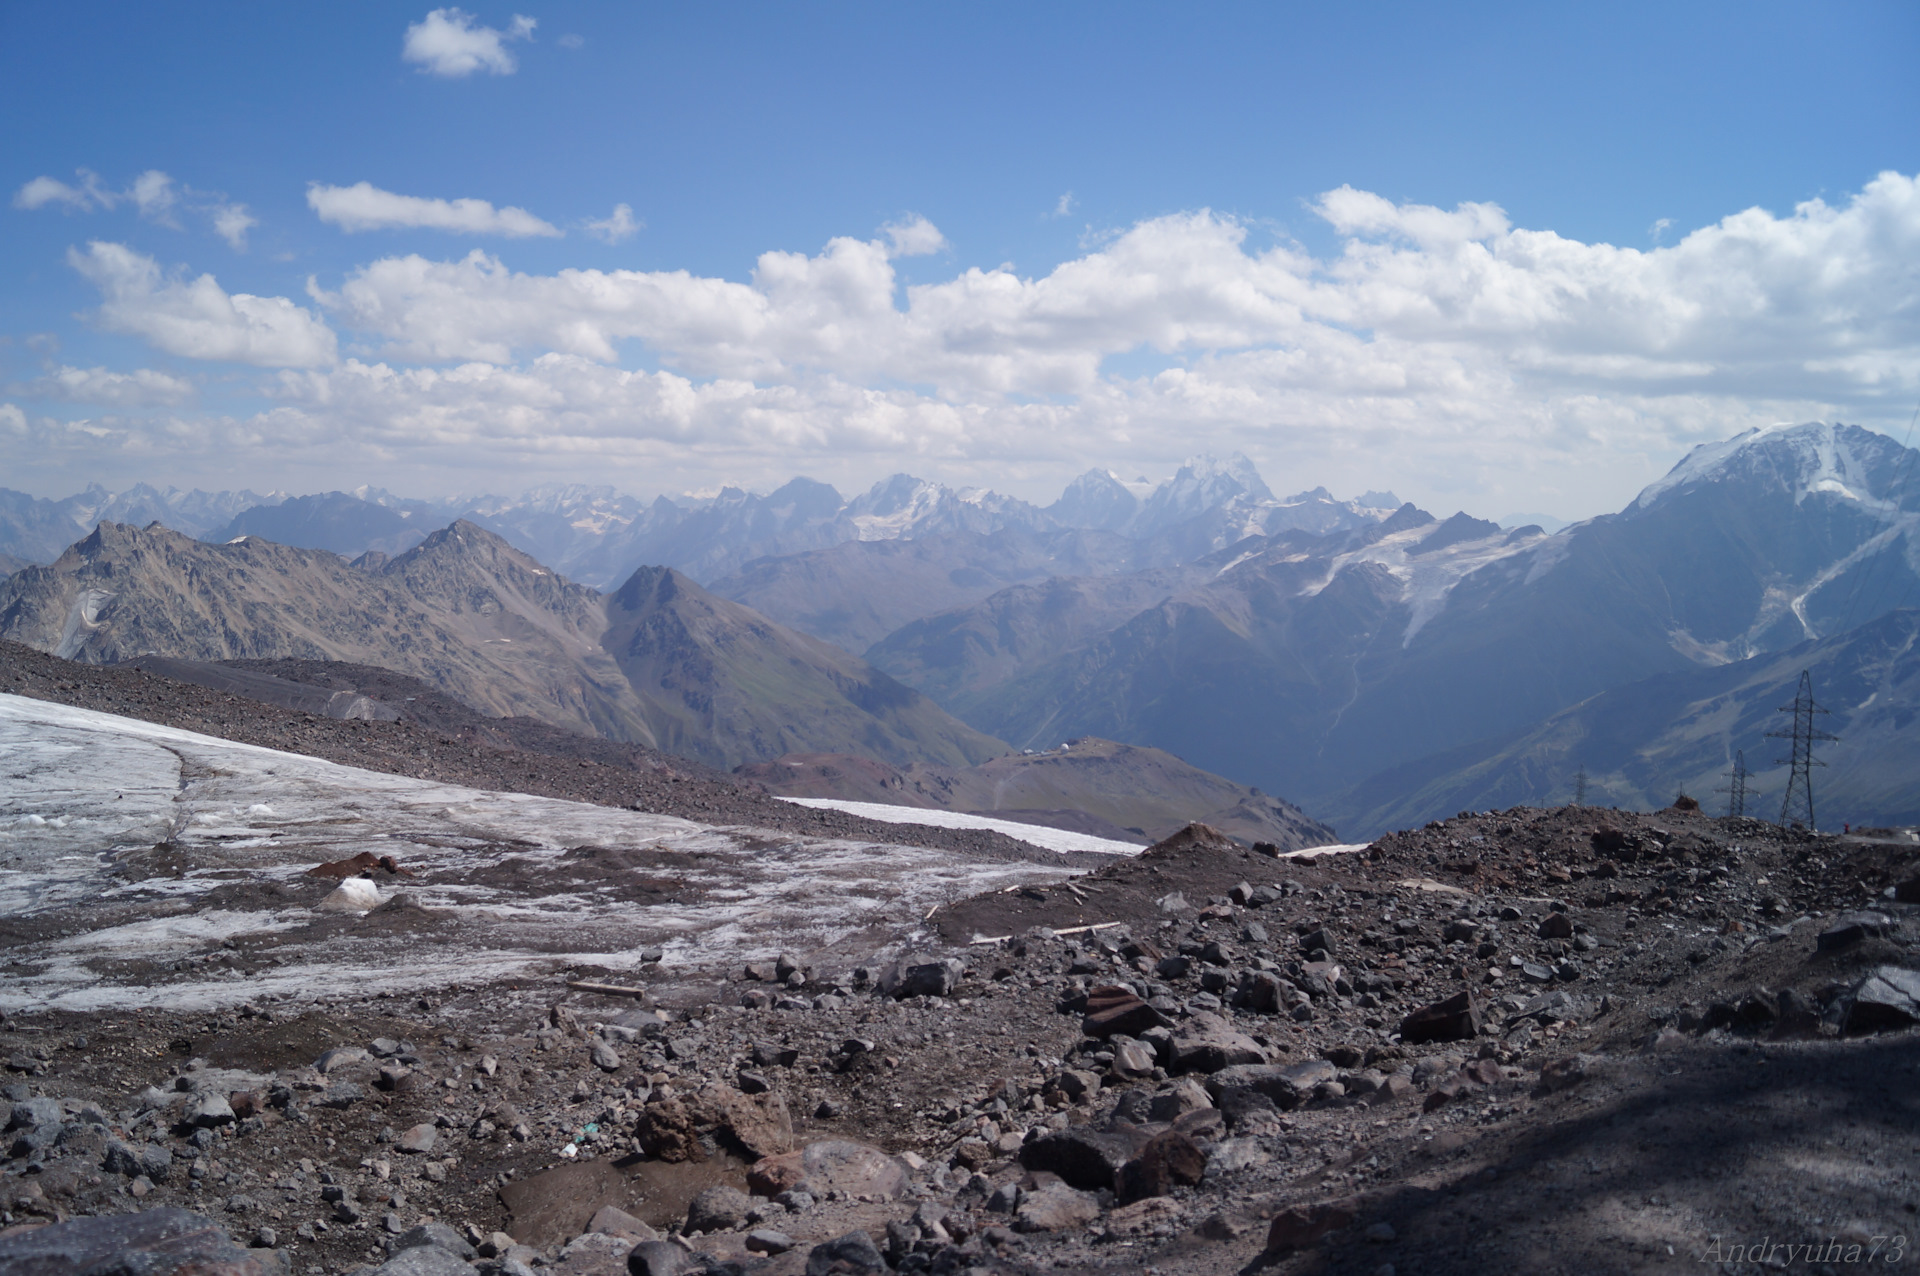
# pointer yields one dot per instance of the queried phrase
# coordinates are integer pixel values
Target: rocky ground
(1574, 1040)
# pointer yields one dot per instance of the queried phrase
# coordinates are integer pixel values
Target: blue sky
(1538, 289)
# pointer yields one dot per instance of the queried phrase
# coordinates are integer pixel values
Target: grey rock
(611, 1220)
(1208, 1043)
(663, 1258)
(1889, 997)
(156, 1162)
(419, 1139)
(718, 1209)
(1082, 1156)
(764, 1240)
(210, 1110)
(437, 1234)
(423, 1260)
(1852, 929)
(1177, 1100)
(340, 1094)
(339, 1057)
(159, 1242)
(1055, 1208)
(605, 1057)
(921, 979)
(1230, 1155)
(31, 1114)
(851, 1255)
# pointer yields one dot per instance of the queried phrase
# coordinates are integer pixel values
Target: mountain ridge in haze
(469, 613)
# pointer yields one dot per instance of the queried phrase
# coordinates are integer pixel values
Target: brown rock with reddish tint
(1170, 1159)
(666, 1132)
(1111, 1010)
(832, 1164)
(1298, 1226)
(1455, 1019)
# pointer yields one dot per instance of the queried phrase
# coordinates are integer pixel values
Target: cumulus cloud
(447, 43)
(1810, 307)
(196, 318)
(620, 226)
(364, 206)
(1432, 341)
(141, 388)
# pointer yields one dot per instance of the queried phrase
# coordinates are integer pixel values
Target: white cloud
(620, 226)
(85, 197)
(196, 318)
(1432, 343)
(12, 420)
(1810, 307)
(914, 237)
(570, 41)
(1064, 207)
(364, 206)
(446, 42)
(153, 194)
(232, 222)
(141, 388)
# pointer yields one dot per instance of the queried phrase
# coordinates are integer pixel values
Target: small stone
(752, 1082)
(211, 1110)
(764, 1240)
(419, 1139)
(1381, 1233)
(605, 1057)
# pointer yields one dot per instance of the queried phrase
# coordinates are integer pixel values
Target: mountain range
(658, 662)
(1307, 663)
(597, 535)
(1376, 664)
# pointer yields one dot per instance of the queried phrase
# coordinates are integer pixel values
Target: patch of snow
(1035, 834)
(93, 799)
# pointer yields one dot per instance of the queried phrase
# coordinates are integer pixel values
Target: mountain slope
(1145, 794)
(332, 521)
(858, 592)
(724, 685)
(1643, 742)
(463, 611)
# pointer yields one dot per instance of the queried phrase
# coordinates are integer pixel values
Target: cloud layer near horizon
(1431, 333)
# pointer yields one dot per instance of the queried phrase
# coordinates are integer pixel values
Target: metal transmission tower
(1797, 807)
(1736, 790)
(1580, 787)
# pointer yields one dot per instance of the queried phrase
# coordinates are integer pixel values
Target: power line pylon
(1736, 790)
(1796, 809)
(1580, 787)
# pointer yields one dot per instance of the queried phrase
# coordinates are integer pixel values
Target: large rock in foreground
(166, 1242)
